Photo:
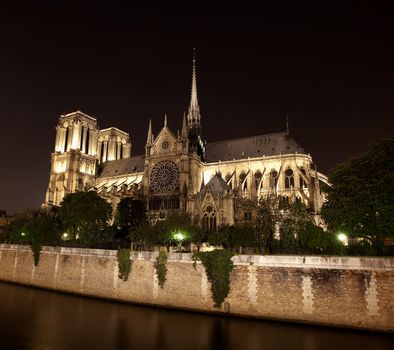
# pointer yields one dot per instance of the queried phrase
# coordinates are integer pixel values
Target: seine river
(37, 319)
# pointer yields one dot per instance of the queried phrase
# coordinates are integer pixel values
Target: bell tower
(74, 161)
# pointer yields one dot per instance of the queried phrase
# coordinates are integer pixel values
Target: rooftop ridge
(250, 137)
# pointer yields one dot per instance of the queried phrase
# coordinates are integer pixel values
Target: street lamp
(179, 237)
(342, 237)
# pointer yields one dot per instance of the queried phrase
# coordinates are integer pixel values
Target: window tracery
(289, 179)
(209, 223)
(164, 177)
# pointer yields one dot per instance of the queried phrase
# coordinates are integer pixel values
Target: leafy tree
(294, 219)
(143, 235)
(313, 239)
(14, 231)
(129, 213)
(85, 216)
(41, 229)
(360, 200)
(268, 216)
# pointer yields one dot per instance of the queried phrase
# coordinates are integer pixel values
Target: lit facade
(180, 171)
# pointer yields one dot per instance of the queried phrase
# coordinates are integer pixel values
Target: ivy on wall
(218, 266)
(124, 263)
(161, 267)
(36, 249)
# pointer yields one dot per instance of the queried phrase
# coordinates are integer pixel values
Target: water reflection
(37, 319)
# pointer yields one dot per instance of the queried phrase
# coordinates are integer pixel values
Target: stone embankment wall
(341, 291)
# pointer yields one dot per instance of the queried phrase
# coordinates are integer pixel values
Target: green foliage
(85, 216)
(164, 232)
(161, 267)
(34, 227)
(267, 217)
(129, 214)
(218, 266)
(294, 219)
(360, 201)
(124, 263)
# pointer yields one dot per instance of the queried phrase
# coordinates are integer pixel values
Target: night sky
(330, 69)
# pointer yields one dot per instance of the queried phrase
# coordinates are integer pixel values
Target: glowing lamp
(342, 237)
(179, 236)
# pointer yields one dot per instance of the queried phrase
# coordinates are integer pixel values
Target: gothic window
(66, 138)
(243, 182)
(273, 179)
(209, 219)
(289, 179)
(102, 152)
(257, 179)
(164, 177)
(87, 141)
(81, 138)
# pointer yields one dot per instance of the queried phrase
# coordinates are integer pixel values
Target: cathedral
(212, 181)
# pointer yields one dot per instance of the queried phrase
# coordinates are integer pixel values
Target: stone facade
(180, 170)
(348, 292)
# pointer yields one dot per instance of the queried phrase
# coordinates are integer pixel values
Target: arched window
(66, 138)
(81, 138)
(209, 219)
(273, 179)
(243, 182)
(87, 141)
(257, 180)
(289, 179)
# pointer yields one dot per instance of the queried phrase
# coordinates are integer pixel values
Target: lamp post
(342, 237)
(179, 238)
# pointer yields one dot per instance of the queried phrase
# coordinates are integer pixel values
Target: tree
(267, 218)
(294, 219)
(85, 216)
(360, 200)
(129, 213)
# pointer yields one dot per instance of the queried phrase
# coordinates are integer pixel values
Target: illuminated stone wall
(350, 292)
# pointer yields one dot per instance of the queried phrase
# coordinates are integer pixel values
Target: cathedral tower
(73, 164)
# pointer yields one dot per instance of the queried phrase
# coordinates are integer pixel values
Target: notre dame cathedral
(181, 171)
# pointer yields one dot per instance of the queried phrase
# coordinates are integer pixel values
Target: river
(37, 319)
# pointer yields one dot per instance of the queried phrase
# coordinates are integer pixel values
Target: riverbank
(339, 291)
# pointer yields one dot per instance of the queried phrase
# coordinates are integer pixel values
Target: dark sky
(329, 68)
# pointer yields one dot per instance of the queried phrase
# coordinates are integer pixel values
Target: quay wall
(354, 292)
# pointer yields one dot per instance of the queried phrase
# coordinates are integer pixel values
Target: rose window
(164, 177)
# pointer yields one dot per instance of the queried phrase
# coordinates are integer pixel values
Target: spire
(149, 139)
(193, 116)
(165, 119)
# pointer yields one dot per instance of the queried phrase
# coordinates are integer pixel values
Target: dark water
(38, 319)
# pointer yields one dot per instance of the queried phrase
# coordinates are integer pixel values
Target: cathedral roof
(123, 166)
(255, 146)
(216, 186)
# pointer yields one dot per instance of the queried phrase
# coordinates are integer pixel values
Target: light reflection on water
(38, 319)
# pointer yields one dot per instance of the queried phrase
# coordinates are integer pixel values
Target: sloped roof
(123, 166)
(216, 185)
(255, 146)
